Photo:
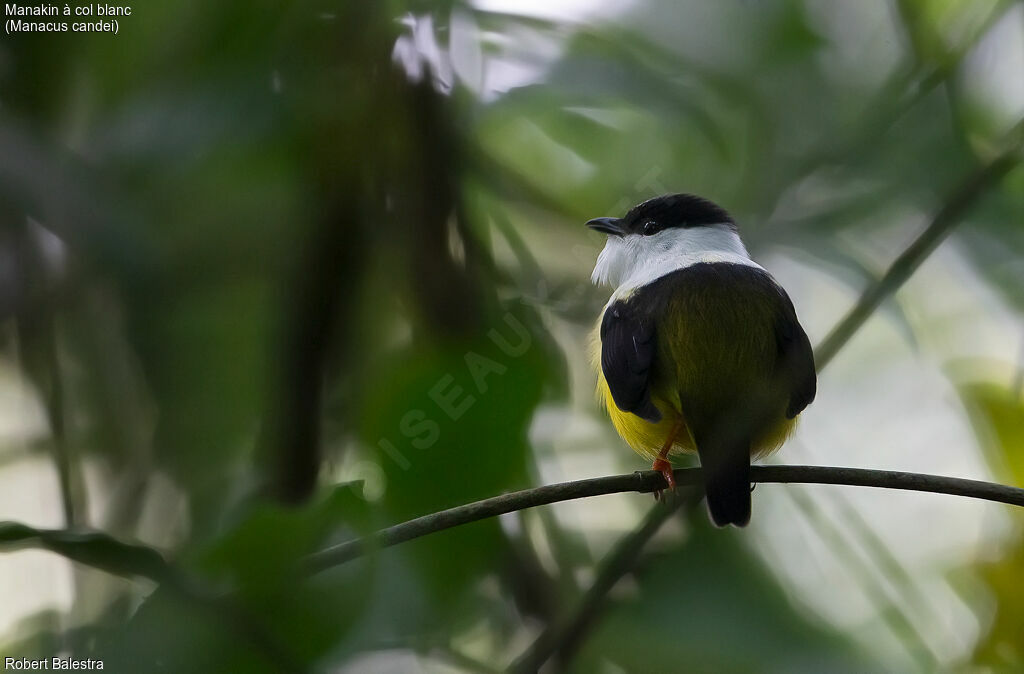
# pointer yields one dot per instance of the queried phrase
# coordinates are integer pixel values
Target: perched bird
(699, 348)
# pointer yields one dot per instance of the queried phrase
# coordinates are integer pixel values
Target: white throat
(632, 261)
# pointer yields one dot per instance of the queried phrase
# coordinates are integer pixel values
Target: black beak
(610, 226)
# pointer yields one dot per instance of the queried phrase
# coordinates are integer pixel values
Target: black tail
(727, 481)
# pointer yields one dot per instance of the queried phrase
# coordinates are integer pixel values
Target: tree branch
(965, 196)
(645, 482)
(954, 209)
(565, 635)
(105, 553)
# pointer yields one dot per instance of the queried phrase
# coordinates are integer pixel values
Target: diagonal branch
(973, 188)
(951, 213)
(646, 482)
(564, 636)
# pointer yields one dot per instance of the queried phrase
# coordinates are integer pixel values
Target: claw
(662, 465)
(665, 468)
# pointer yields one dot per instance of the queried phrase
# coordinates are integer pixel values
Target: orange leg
(661, 464)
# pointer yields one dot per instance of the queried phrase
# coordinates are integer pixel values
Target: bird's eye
(650, 227)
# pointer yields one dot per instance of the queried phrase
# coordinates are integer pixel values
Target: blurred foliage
(734, 620)
(998, 414)
(250, 252)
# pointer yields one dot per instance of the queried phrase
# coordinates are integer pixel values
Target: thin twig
(36, 323)
(55, 411)
(910, 259)
(565, 635)
(954, 209)
(106, 553)
(130, 559)
(904, 266)
(645, 482)
(896, 99)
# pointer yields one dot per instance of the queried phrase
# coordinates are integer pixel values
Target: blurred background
(275, 275)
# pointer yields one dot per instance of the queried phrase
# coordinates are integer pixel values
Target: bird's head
(665, 232)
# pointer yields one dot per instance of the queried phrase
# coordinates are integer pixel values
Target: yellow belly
(647, 438)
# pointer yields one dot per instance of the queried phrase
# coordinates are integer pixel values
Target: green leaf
(261, 554)
(997, 414)
(91, 548)
(259, 561)
(1002, 648)
(713, 605)
(173, 633)
(447, 422)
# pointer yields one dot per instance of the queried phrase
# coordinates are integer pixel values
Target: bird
(698, 349)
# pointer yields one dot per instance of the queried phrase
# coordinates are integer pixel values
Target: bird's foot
(665, 468)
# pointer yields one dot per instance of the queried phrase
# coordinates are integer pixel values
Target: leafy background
(275, 275)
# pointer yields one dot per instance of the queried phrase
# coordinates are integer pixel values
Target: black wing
(795, 359)
(627, 353)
